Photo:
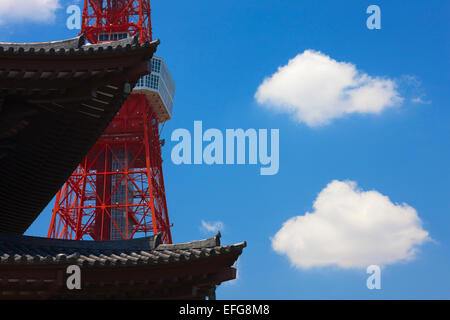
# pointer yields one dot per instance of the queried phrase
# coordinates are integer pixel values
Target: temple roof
(25, 250)
(143, 268)
(56, 99)
(75, 45)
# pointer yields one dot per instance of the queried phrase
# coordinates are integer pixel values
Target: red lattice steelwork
(117, 191)
(115, 17)
(109, 195)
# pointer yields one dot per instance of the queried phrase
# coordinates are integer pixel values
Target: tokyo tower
(117, 191)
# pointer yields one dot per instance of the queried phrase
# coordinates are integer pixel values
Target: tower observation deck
(159, 89)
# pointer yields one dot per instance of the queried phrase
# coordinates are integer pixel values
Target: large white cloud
(316, 89)
(31, 10)
(351, 228)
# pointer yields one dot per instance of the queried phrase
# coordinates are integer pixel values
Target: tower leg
(118, 189)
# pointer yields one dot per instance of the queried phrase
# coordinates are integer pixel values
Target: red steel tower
(105, 20)
(117, 191)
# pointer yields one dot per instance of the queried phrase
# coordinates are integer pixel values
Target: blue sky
(219, 53)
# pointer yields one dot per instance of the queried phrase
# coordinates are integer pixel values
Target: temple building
(56, 99)
(143, 268)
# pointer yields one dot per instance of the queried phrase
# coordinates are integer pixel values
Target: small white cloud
(420, 100)
(316, 89)
(212, 227)
(30, 10)
(351, 228)
(413, 90)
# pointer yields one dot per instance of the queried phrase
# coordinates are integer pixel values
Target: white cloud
(351, 228)
(31, 10)
(420, 100)
(316, 89)
(210, 227)
(412, 86)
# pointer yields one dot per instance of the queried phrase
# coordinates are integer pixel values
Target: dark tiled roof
(71, 46)
(24, 250)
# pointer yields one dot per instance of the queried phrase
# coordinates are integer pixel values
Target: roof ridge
(73, 45)
(197, 244)
(77, 38)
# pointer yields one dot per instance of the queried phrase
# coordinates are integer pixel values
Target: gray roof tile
(16, 249)
(75, 45)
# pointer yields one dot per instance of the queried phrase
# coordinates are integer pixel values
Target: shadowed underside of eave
(56, 99)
